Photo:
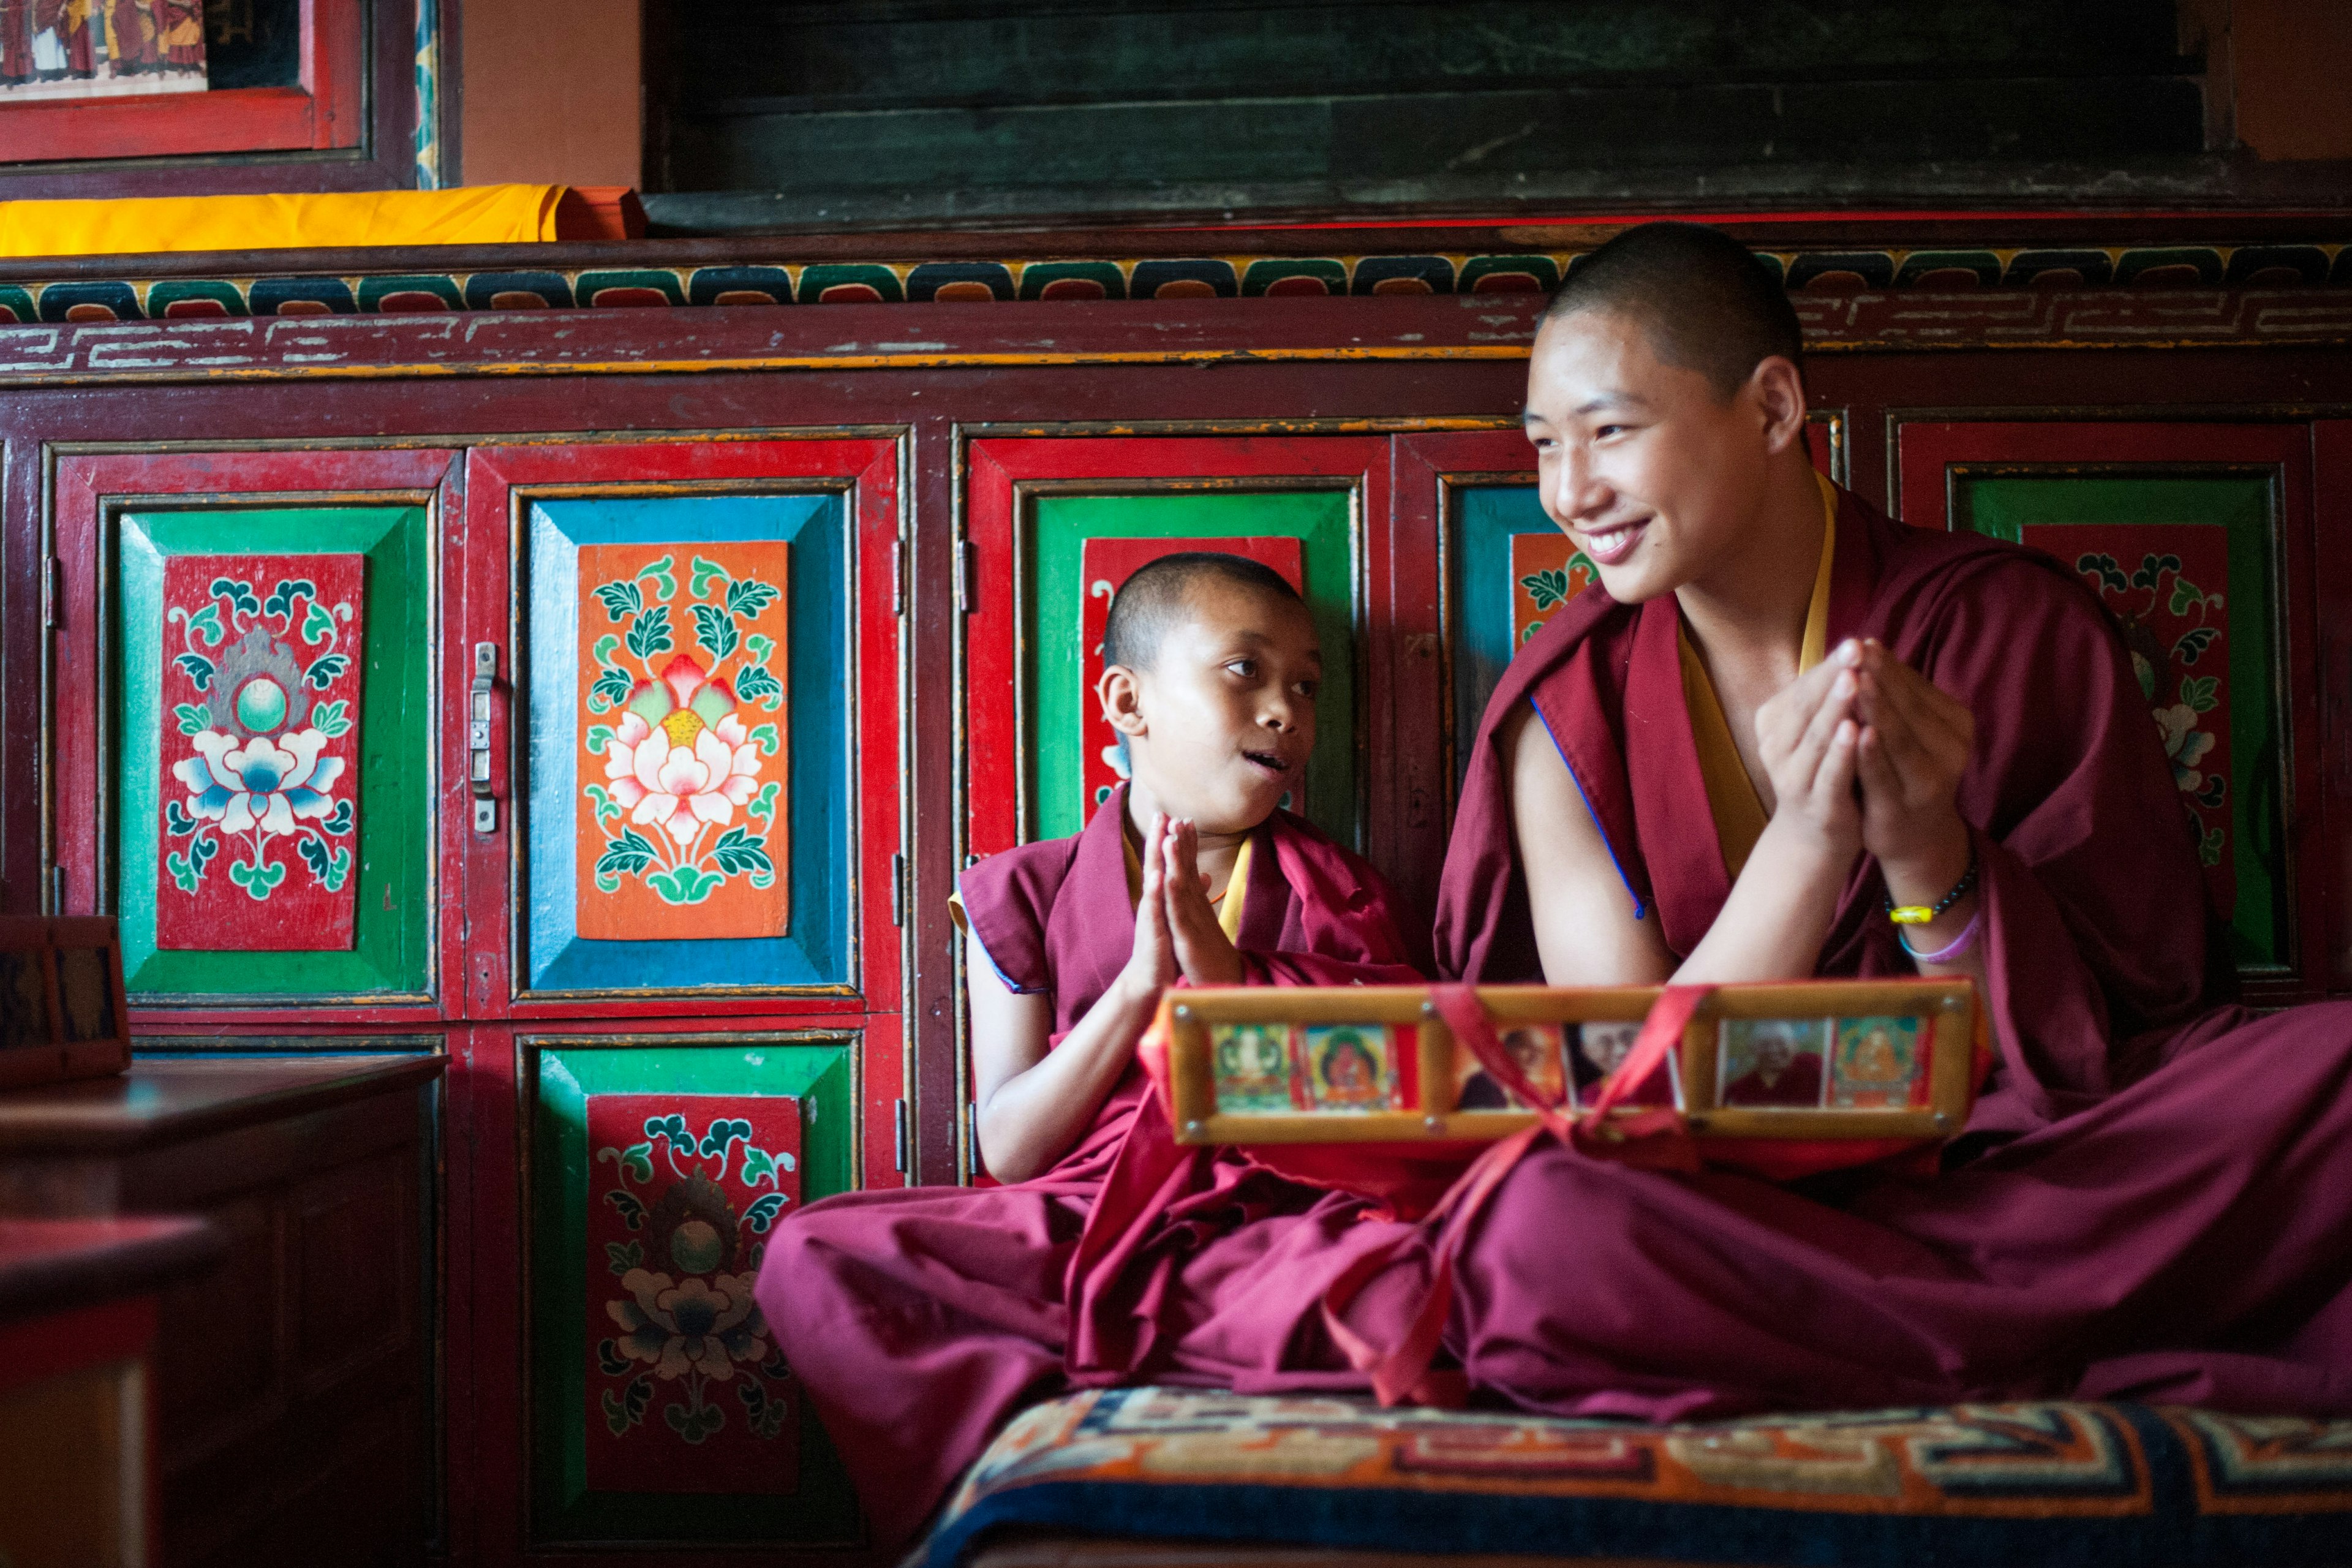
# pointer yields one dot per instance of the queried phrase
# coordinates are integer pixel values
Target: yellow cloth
(1731, 798)
(476, 215)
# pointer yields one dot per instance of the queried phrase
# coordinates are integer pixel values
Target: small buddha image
(1601, 1048)
(1349, 1068)
(1878, 1065)
(1253, 1069)
(1772, 1063)
(1536, 1048)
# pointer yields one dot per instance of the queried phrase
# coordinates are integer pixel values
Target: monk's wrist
(1925, 875)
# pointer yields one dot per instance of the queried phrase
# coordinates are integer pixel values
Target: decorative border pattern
(1832, 273)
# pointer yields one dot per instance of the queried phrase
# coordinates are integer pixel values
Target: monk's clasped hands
(1808, 735)
(1914, 746)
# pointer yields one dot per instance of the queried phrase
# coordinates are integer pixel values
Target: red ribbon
(1654, 1138)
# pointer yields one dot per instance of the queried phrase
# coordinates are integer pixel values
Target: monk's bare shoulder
(1587, 930)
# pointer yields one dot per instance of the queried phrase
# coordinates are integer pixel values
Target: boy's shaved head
(1154, 598)
(1705, 303)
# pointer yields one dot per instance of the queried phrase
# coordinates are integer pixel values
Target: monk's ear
(1122, 700)
(1778, 390)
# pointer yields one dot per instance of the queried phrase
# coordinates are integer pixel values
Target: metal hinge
(898, 1144)
(963, 577)
(57, 889)
(897, 889)
(53, 592)
(897, 577)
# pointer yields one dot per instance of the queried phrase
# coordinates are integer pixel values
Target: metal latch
(478, 736)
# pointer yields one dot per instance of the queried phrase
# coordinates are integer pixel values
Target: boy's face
(1220, 724)
(1654, 475)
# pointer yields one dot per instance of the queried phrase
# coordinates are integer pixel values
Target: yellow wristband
(1911, 914)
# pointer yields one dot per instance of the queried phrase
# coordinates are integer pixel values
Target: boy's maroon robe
(2166, 1208)
(920, 1320)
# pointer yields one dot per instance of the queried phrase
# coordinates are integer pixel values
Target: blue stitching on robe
(1639, 907)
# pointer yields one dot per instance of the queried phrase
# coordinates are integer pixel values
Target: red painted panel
(261, 668)
(687, 1392)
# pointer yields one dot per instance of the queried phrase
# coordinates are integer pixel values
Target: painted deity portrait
(1253, 1069)
(1601, 1047)
(1536, 1048)
(1772, 1064)
(1880, 1064)
(1350, 1067)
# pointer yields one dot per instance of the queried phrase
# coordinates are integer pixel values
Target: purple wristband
(1947, 953)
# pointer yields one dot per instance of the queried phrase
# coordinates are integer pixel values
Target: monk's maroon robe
(2160, 1200)
(920, 1320)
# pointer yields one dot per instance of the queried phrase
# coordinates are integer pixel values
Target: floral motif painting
(681, 823)
(1106, 563)
(2167, 588)
(688, 1390)
(261, 680)
(1547, 571)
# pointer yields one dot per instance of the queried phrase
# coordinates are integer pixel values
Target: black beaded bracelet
(1921, 914)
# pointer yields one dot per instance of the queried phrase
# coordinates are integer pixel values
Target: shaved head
(1703, 300)
(1157, 597)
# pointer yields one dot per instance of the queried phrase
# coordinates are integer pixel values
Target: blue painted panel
(1484, 519)
(815, 949)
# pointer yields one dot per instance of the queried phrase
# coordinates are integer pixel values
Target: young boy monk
(1778, 718)
(920, 1320)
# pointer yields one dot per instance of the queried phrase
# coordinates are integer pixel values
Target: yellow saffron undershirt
(1731, 798)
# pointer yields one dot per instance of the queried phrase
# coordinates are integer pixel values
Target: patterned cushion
(2001, 1486)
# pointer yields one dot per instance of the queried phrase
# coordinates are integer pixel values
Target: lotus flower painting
(682, 817)
(687, 1391)
(261, 673)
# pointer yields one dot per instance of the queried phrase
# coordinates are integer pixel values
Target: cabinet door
(245, 742)
(2197, 537)
(662, 1408)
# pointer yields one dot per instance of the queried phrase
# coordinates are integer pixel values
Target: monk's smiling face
(1657, 475)
(1220, 720)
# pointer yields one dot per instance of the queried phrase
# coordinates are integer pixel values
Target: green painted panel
(821, 1508)
(1319, 518)
(2186, 564)
(392, 935)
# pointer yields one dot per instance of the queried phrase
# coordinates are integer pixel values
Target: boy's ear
(1779, 390)
(1122, 695)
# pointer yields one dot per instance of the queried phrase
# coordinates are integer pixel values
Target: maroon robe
(920, 1320)
(2160, 1201)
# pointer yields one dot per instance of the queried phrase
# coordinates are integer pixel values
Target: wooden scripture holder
(1811, 1060)
(63, 1014)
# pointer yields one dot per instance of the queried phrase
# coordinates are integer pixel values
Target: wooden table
(295, 1377)
(78, 1320)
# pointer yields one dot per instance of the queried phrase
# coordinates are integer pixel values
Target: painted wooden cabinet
(608, 698)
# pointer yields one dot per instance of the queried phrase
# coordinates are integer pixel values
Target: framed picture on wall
(243, 84)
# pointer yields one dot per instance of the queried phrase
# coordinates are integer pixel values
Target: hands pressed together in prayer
(1865, 753)
(1034, 1102)
(1176, 929)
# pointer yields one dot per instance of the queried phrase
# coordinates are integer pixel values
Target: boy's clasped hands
(1176, 929)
